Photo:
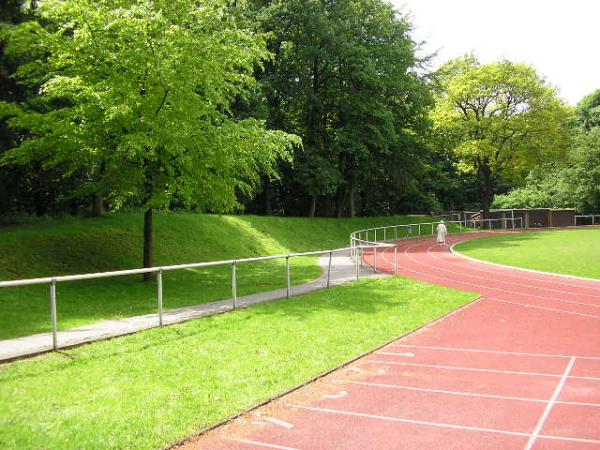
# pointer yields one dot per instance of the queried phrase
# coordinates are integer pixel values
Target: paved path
(517, 369)
(342, 271)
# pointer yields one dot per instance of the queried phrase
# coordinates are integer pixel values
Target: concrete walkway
(342, 271)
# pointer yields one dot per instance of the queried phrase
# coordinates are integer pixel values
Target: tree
(588, 111)
(138, 95)
(344, 78)
(498, 119)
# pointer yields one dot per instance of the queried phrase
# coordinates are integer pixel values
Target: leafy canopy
(138, 95)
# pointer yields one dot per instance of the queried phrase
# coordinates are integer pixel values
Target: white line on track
(439, 424)
(475, 369)
(468, 394)
(550, 404)
(475, 284)
(500, 352)
(437, 258)
(261, 444)
(546, 308)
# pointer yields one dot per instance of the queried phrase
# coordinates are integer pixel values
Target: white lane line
(261, 444)
(550, 404)
(459, 255)
(439, 424)
(454, 280)
(469, 394)
(529, 286)
(340, 394)
(552, 275)
(499, 352)
(281, 423)
(470, 369)
(475, 369)
(545, 308)
(443, 391)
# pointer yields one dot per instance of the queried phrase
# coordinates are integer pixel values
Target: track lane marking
(261, 444)
(550, 405)
(468, 394)
(546, 308)
(439, 424)
(476, 369)
(500, 352)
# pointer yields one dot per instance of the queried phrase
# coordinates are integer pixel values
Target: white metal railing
(377, 235)
(52, 281)
(367, 239)
(593, 219)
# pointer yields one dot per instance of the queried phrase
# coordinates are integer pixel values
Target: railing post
(419, 230)
(395, 260)
(432, 228)
(375, 240)
(374, 259)
(329, 269)
(53, 317)
(384, 234)
(287, 272)
(234, 284)
(357, 266)
(159, 288)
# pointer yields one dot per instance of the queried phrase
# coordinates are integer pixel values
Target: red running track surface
(518, 368)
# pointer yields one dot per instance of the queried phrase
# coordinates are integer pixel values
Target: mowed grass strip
(156, 387)
(568, 252)
(58, 247)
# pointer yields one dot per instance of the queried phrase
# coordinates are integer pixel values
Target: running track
(518, 368)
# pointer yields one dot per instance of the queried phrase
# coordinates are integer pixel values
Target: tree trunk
(352, 205)
(98, 205)
(342, 198)
(487, 190)
(148, 242)
(268, 198)
(313, 206)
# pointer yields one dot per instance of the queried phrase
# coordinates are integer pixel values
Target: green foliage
(139, 94)
(156, 387)
(575, 184)
(344, 78)
(498, 118)
(588, 111)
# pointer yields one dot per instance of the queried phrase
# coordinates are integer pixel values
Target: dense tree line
(296, 107)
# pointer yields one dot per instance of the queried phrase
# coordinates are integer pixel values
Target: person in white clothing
(442, 233)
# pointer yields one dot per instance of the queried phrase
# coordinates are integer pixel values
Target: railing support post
(395, 259)
(287, 273)
(419, 230)
(374, 259)
(357, 265)
(329, 269)
(159, 288)
(53, 316)
(234, 284)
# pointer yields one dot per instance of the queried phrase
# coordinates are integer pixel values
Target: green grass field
(153, 388)
(569, 252)
(70, 246)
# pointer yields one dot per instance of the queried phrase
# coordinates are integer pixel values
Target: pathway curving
(519, 368)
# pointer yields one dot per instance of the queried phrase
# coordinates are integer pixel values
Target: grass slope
(153, 388)
(569, 252)
(93, 245)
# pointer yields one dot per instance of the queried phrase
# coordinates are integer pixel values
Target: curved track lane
(518, 368)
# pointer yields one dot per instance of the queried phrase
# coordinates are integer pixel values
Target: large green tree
(498, 119)
(138, 95)
(344, 78)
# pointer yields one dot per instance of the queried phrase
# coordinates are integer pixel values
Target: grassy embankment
(70, 246)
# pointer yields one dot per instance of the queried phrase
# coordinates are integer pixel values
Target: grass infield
(156, 387)
(568, 252)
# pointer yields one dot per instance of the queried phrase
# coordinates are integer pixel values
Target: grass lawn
(57, 247)
(570, 252)
(153, 388)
